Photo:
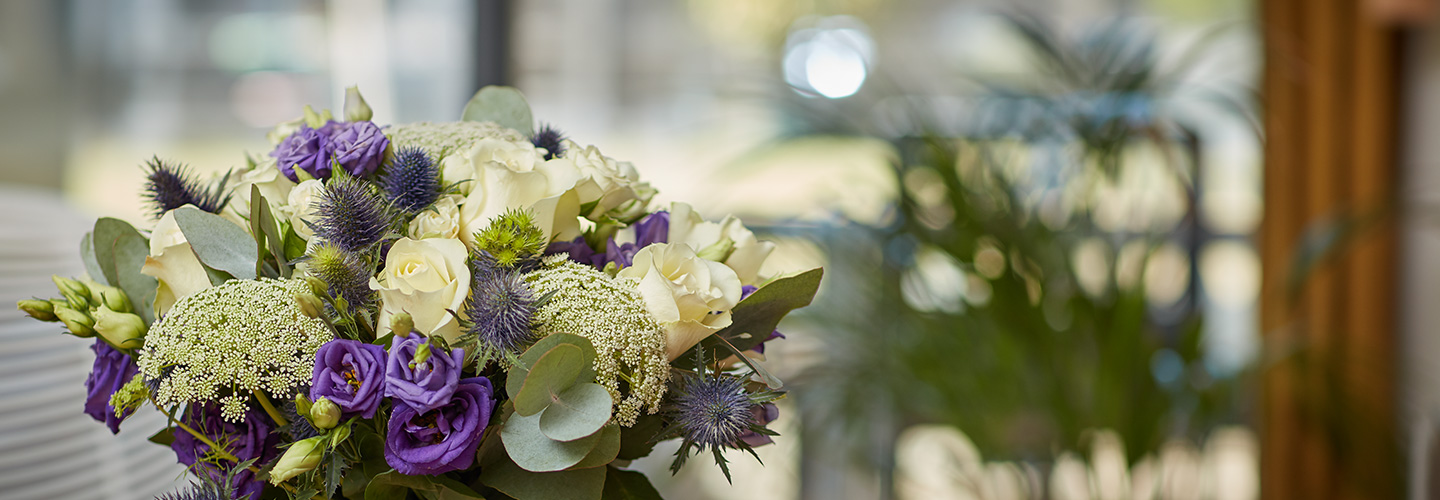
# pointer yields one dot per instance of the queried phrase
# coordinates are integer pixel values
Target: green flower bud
(78, 322)
(313, 119)
(310, 305)
(356, 110)
(119, 329)
(302, 404)
(42, 310)
(72, 286)
(324, 413)
(718, 251)
(401, 324)
(422, 354)
(114, 298)
(301, 457)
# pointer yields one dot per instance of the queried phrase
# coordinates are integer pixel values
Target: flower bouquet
(431, 310)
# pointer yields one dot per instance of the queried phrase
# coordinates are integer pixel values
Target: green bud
(318, 287)
(114, 298)
(401, 324)
(718, 251)
(612, 268)
(42, 310)
(356, 109)
(422, 354)
(300, 458)
(78, 322)
(119, 329)
(338, 435)
(71, 286)
(313, 119)
(302, 404)
(324, 413)
(310, 305)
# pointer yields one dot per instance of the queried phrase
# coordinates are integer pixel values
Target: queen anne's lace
(441, 139)
(225, 343)
(629, 344)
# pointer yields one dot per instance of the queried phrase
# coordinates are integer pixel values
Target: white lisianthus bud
(77, 322)
(120, 329)
(324, 413)
(356, 109)
(300, 458)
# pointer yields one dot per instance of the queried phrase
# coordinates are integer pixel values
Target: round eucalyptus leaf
(553, 373)
(578, 412)
(531, 355)
(503, 105)
(605, 450)
(532, 451)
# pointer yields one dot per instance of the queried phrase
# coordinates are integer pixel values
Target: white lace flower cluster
(629, 344)
(225, 343)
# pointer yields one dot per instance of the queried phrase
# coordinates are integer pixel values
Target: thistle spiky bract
(351, 215)
(346, 274)
(512, 240)
(501, 307)
(207, 487)
(169, 186)
(551, 140)
(412, 180)
(712, 411)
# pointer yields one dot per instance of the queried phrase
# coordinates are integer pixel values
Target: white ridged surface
(49, 448)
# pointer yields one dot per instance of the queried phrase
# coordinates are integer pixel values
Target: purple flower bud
(251, 439)
(763, 414)
(351, 374)
(112, 370)
(423, 385)
(655, 228)
(307, 149)
(359, 147)
(442, 439)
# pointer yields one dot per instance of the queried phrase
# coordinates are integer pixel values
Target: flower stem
(270, 409)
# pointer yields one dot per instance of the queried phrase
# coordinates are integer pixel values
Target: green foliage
(628, 485)
(503, 105)
(554, 372)
(119, 252)
(533, 451)
(579, 484)
(219, 243)
(511, 239)
(577, 412)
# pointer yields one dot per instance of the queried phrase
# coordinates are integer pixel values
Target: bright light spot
(831, 59)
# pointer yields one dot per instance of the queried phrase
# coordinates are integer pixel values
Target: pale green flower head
(612, 315)
(442, 139)
(226, 343)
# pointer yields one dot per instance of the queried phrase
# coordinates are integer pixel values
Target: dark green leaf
(579, 484)
(503, 105)
(87, 257)
(450, 489)
(628, 485)
(758, 315)
(392, 484)
(219, 243)
(107, 232)
(637, 440)
(164, 437)
(129, 253)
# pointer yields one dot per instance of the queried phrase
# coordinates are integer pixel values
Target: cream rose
(173, 263)
(729, 239)
(440, 221)
(502, 175)
(607, 183)
(300, 206)
(424, 278)
(689, 297)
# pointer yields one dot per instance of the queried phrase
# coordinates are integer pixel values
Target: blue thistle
(169, 186)
(551, 140)
(346, 274)
(412, 180)
(713, 411)
(501, 306)
(351, 215)
(209, 487)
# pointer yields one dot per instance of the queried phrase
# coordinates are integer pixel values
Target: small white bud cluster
(441, 139)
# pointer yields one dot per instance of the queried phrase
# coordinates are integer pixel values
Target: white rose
(503, 176)
(424, 278)
(689, 296)
(440, 221)
(173, 263)
(274, 186)
(300, 206)
(747, 253)
(608, 183)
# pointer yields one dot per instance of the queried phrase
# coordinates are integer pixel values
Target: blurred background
(1074, 249)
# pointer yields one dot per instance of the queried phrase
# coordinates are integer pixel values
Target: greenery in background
(1020, 356)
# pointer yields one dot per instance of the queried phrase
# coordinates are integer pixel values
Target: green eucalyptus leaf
(528, 358)
(758, 315)
(393, 484)
(554, 372)
(87, 256)
(628, 485)
(604, 451)
(503, 105)
(532, 451)
(129, 252)
(108, 231)
(579, 484)
(450, 489)
(577, 412)
(219, 243)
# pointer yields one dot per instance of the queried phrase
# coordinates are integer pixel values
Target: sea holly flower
(111, 371)
(421, 384)
(713, 411)
(351, 375)
(443, 438)
(169, 186)
(359, 147)
(251, 439)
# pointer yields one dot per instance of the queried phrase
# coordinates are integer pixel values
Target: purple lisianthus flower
(422, 386)
(308, 149)
(442, 439)
(112, 370)
(251, 439)
(654, 228)
(745, 291)
(351, 374)
(578, 250)
(764, 414)
(359, 147)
